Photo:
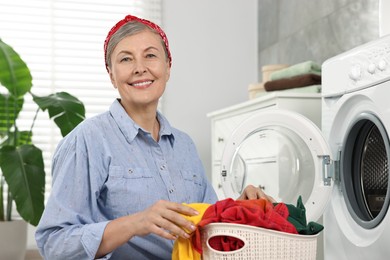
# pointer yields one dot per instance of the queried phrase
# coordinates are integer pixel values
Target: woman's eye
(125, 59)
(150, 55)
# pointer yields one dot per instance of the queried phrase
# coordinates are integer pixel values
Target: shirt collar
(130, 129)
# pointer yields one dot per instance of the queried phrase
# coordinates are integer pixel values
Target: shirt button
(162, 167)
(170, 190)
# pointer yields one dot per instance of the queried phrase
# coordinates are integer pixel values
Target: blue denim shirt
(108, 167)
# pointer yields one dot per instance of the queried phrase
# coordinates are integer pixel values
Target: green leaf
(14, 73)
(25, 177)
(22, 137)
(66, 110)
(9, 110)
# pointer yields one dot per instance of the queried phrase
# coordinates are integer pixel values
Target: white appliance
(341, 171)
(224, 121)
(273, 142)
(356, 123)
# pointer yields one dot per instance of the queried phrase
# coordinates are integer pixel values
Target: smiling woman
(129, 164)
(135, 173)
(61, 42)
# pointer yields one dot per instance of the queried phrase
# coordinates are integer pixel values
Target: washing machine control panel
(376, 63)
(358, 68)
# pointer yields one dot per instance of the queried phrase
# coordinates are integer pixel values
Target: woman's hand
(164, 219)
(251, 192)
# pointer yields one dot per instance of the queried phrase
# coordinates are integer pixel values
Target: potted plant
(21, 162)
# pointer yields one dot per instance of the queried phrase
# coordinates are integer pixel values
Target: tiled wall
(294, 31)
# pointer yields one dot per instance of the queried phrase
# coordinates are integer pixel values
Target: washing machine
(341, 170)
(284, 153)
(356, 124)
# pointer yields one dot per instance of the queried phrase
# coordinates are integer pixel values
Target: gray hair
(129, 29)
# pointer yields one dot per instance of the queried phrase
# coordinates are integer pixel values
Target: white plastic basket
(259, 243)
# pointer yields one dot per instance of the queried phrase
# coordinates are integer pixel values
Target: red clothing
(259, 213)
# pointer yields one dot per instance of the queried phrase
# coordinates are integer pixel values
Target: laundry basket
(259, 243)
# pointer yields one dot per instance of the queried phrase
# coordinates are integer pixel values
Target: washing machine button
(382, 65)
(371, 68)
(355, 73)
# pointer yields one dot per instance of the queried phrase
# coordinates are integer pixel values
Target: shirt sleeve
(210, 196)
(69, 228)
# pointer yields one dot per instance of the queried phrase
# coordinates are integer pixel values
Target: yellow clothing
(182, 249)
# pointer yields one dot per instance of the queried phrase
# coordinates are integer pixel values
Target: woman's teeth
(139, 84)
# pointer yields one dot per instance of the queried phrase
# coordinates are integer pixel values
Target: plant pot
(13, 239)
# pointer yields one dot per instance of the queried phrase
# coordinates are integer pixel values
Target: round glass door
(277, 160)
(283, 153)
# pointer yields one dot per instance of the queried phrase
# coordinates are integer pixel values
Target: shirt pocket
(119, 172)
(194, 185)
(129, 190)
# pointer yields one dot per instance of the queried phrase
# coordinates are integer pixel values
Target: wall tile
(295, 31)
(355, 24)
(268, 22)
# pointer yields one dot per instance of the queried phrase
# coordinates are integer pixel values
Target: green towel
(297, 217)
(297, 69)
(314, 89)
(309, 89)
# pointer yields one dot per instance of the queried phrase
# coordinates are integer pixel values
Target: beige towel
(255, 90)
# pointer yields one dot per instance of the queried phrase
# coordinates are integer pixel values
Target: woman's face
(140, 70)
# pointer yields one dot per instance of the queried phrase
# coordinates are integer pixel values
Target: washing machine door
(285, 154)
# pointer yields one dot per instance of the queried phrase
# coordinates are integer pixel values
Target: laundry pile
(302, 77)
(259, 213)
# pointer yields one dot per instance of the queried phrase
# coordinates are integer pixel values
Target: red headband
(130, 18)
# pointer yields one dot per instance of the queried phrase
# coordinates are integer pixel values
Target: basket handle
(224, 233)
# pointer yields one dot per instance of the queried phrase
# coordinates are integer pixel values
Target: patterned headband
(130, 18)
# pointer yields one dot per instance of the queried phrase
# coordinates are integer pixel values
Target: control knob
(371, 68)
(355, 73)
(382, 65)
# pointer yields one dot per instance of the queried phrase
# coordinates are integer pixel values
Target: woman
(120, 179)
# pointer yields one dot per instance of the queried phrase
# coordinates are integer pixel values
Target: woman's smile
(141, 84)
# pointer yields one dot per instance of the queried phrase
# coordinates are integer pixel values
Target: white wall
(214, 53)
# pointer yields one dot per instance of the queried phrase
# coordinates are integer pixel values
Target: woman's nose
(140, 68)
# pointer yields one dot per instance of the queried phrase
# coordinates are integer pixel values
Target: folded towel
(307, 89)
(267, 70)
(293, 82)
(255, 88)
(307, 67)
(313, 89)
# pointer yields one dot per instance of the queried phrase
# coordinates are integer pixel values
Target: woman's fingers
(177, 224)
(261, 194)
(173, 230)
(165, 219)
(251, 192)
